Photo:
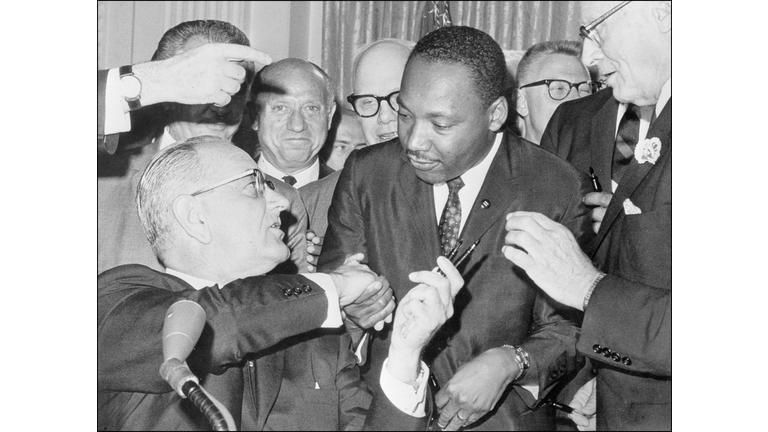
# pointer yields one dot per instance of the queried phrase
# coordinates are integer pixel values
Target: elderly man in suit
(120, 237)
(453, 175)
(213, 220)
(293, 109)
(626, 300)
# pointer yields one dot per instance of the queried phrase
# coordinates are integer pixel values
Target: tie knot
(291, 180)
(455, 184)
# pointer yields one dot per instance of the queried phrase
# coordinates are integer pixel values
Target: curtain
(515, 25)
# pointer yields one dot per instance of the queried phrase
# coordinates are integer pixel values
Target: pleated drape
(515, 25)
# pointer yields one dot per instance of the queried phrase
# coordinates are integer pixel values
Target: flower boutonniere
(648, 150)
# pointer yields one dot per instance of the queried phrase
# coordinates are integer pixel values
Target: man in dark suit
(213, 220)
(394, 203)
(627, 326)
(293, 109)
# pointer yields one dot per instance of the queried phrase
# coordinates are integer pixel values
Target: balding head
(294, 109)
(378, 69)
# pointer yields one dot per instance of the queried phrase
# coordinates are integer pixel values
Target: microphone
(183, 325)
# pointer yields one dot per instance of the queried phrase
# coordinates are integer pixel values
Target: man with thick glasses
(549, 74)
(213, 220)
(626, 299)
(377, 72)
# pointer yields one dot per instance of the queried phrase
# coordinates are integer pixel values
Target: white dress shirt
(407, 399)
(309, 175)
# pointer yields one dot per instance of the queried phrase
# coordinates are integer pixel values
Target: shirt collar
(308, 175)
(196, 282)
(167, 139)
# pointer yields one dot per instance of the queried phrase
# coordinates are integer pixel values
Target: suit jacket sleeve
(245, 316)
(551, 344)
(634, 320)
(105, 143)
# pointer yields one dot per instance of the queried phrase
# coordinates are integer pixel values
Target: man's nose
(296, 121)
(386, 113)
(591, 54)
(275, 201)
(415, 138)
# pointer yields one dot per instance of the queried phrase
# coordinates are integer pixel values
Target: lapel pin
(485, 204)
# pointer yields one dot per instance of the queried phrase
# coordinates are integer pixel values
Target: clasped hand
(362, 294)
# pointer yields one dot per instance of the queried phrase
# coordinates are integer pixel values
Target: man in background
(549, 74)
(294, 108)
(627, 328)
(345, 136)
(377, 72)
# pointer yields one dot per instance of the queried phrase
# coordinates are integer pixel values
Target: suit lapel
(602, 138)
(499, 190)
(420, 200)
(636, 172)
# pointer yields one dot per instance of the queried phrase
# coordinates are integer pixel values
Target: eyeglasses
(368, 105)
(586, 31)
(258, 182)
(560, 89)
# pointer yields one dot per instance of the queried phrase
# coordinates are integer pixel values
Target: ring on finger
(460, 417)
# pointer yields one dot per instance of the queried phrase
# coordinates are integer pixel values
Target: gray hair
(362, 50)
(213, 31)
(539, 51)
(172, 172)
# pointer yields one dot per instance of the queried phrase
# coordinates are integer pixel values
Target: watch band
(134, 103)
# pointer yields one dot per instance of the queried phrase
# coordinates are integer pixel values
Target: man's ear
(192, 218)
(499, 110)
(662, 13)
(522, 104)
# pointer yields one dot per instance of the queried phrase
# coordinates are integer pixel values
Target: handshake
(367, 300)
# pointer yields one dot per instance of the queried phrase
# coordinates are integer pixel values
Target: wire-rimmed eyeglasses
(587, 31)
(560, 89)
(368, 105)
(258, 182)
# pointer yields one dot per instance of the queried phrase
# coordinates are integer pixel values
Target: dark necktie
(291, 180)
(626, 141)
(450, 221)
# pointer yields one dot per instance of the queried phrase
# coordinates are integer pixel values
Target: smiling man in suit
(452, 174)
(627, 300)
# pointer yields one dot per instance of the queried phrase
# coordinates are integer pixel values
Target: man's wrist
(147, 74)
(405, 364)
(522, 360)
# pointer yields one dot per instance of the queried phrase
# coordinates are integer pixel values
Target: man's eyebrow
(435, 114)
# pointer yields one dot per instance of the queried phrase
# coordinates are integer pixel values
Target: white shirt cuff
(116, 120)
(402, 395)
(333, 317)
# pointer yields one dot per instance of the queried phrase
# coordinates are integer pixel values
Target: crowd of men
(430, 253)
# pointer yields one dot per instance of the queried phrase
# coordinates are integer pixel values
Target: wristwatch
(130, 87)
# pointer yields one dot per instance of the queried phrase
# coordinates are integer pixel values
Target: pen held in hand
(462, 258)
(595, 182)
(568, 409)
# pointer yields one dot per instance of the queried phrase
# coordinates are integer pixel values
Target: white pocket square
(631, 209)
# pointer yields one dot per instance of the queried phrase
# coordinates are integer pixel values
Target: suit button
(297, 290)
(597, 348)
(607, 352)
(306, 288)
(562, 369)
(553, 375)
(627, 361)
(616, 357)
(287, 292)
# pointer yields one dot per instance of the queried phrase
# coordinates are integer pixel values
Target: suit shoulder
(374, 162)
(538, 162)
(133, 275)
(585, 106)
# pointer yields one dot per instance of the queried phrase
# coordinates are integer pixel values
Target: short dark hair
(472, 48)
(537, 52)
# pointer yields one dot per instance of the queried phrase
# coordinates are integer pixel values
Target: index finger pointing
(234, 52)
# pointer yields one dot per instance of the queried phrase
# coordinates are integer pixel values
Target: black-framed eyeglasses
(368, 105)
(258, 182)
(587, 31)
(560, 89)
